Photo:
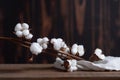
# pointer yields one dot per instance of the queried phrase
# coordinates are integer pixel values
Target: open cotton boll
(102, 56)
(98, 51)
(74, 49)
(29, 36)
(74, 62)
(63, 45)
(59, 39)
(72, 65)
(35, 48)
(74, 46)
(45, 39)
(39, 40)
(53, 40)
(57, 46)
(25, 26)
(18, 27)
(80, 50)
(19, 33)
(99, 54)
(44, 45)
(25, 32)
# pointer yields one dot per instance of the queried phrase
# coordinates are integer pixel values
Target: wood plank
(46, 71)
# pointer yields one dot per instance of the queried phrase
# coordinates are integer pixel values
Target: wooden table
(47, 72)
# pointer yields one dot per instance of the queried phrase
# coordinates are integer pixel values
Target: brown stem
(68, 54)
(25, 44)
(73, 56)
(15, 41)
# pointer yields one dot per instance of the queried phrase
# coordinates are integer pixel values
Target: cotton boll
(19, 33)
(18, 27)
(44, 46)
(29, 36)
(25, 26)
(35, 48)
(59, 39)
(74, 49)
(45, 39)
(74, 62)
(39, 40)
(63, 45)
(74, 45)
(25, 32)
(98, 51)
(67, 49)
(53, 40)
(72, 65)
(56, 46)
(102, 56)
(80, 50)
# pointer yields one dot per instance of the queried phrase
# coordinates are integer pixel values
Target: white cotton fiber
(18, 27)
(19, 33)
(35, 48)
(25, 26)
(74, 49)
(25, 32)
(59, 40)
(102, 56)
(57, 46)
(53, 40)
(45, 39)
(29, 36)
(99, 54)
(80, 50)
(72, 65)
(98, 51)
(39, 40)
(44, 45)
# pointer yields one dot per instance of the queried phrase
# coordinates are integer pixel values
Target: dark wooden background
(93, 23)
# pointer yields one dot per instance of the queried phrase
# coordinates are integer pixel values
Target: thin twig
(14, 41)
(28, 43)
(68, 54)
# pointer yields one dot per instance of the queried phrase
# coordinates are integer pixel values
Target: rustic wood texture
(93, 23)
(46, 71)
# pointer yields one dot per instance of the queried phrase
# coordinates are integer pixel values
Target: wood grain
(46, 71)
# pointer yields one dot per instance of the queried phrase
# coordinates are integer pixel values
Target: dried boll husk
(70, 65)
(94, 57)
(97, 55)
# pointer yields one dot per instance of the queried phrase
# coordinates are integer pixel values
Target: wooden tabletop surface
(47, 71)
